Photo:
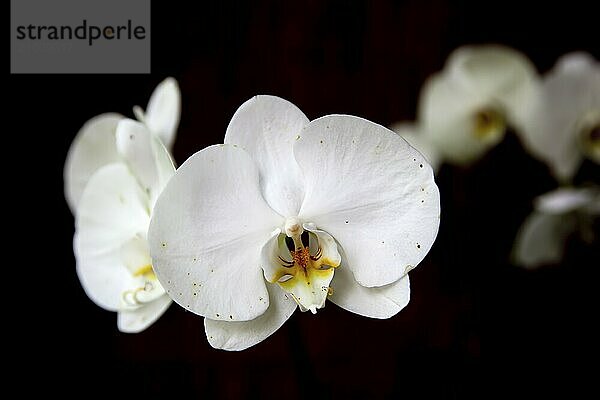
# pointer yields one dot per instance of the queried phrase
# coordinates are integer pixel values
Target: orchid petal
(93, 147)
(241, 335)
(163, 111)
(207, 229)
(134, 321)
(133, 143)
(378, 302)
(370, 190)
(570, 94)
(564, 200)
(112, 212)
(270, 261)
(147, 157)
(541, 239)
(330, 254)
(102, 276)
(267, 127)
(165, 166)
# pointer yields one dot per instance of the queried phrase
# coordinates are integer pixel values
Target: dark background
(363, 58)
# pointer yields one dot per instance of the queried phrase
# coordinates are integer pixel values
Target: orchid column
(291, 212)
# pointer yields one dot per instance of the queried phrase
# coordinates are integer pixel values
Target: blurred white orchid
(557, 215)
(465, 109)
(115, 170)
(564, 125)
(290, 212)
(94, 145)
(113, 215)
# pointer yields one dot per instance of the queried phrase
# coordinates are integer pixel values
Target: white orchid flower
(465, 109)
(557, 215)
(110, 244)
(289, 213)
(94, 145)
(564, 127)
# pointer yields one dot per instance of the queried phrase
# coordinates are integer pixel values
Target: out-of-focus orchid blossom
(564, 126)
(557, 215)
(94, 145)
(464, 110)
(110, 245)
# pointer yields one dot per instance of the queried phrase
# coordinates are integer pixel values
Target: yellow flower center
(306, 271)
(145, 287)
(589, 138)
(488, 124)
(144, 270)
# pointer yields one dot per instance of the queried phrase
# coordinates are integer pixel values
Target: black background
(362, 58)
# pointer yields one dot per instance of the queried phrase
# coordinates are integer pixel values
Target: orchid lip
(306, 263)
(488, 123)
(149, 289)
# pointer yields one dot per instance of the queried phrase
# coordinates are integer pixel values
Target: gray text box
(80, 36)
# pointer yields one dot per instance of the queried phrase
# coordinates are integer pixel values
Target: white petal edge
(147, 157)
(542, 238)
(575, 62)
(102, 276)
(206, 234)
(379, 302)
(112, 211)
(370, 190)
(236, 336)
(93, 147)
(564, 200)
(269, 261)
(134, 145)
(135, 321)
(329, 248)
(412, 134)
(164, 111)
(267, 127)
